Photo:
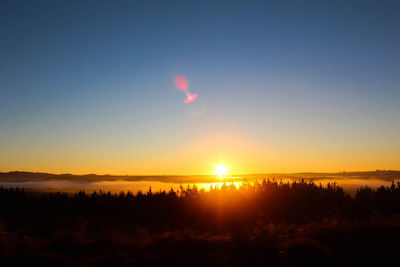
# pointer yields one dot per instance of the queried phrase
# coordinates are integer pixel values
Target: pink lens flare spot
(190, 98)
(181, 82)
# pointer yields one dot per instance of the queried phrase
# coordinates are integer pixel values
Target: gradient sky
(284, 86)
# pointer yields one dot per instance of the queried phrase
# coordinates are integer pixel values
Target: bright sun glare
(221, 170)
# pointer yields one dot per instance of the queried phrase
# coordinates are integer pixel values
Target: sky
(283, 86)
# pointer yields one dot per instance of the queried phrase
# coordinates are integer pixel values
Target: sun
(221, 170)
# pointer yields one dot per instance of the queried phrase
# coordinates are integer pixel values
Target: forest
(271, 223)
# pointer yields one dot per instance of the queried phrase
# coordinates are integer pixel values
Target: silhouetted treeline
(262, 222)
(297, 201)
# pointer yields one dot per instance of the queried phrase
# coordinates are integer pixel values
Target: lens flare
(190, 97)
(181, 83)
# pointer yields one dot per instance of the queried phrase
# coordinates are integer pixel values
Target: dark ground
(273, 224)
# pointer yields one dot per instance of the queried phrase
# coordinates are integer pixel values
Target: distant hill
(16, 176)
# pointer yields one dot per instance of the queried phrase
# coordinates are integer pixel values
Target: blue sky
(87, 86)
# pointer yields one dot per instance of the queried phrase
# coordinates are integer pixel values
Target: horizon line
(183, 175)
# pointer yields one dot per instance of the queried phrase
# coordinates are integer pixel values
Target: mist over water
(350, 185)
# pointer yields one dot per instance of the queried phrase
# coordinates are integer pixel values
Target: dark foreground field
(272, 223)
